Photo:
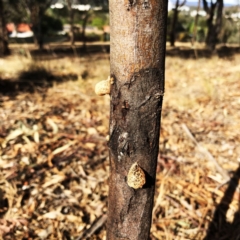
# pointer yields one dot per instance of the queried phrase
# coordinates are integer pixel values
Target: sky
(226, 2)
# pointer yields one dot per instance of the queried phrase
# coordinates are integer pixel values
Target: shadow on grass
(36, 78)
(61, 50)
(219, 228)
(39, 78)
(182, 52)
(186, 52)
(56, 51)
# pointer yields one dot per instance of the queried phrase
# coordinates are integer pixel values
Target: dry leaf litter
(54, 158)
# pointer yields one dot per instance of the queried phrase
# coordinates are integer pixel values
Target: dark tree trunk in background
(4, 50)
(218, 24)
(71, 20)
(40, 33)
(174, 22)
(214, 25)
(36, 20)
(37, 10)
(72, 36)
(194, 38)
(138, 35)
(84, 25)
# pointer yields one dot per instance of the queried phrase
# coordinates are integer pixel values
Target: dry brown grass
(204, 96)
(53, 171)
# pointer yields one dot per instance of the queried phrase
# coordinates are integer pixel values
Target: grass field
(54, 158)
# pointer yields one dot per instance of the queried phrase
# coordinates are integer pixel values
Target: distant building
(200, 13)
(81, 7)
(235, 16)
(183, 8)
(10, 27)
(76, 4)
(22, 30)
(59, 4)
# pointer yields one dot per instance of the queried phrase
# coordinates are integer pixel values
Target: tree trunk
(4, 50)
(174, 23)
(84, 25)
(40, 33)
(36, 19)
(210, 39)
(219, 16)
(213, 29)
(72, 33)
(37, 10)
(194, 37)
(71, 20)
(138, 38)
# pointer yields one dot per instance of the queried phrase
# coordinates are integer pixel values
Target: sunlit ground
(54, 157)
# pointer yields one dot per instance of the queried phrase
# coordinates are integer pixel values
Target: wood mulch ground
(54, 159)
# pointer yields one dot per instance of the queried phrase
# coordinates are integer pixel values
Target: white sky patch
(232, 2)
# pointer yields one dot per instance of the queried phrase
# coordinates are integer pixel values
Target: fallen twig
(95, 226)
(206, 153)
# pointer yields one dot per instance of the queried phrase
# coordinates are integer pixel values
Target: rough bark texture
(138, 35)
(4, 50)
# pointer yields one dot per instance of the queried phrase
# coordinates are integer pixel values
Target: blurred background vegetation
(193, 20)
(46, 21)
(53, 149)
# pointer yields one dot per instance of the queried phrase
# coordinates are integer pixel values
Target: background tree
(4, 50)
(138, 38)
(17, 12)
(214, 25)
(83, 17)
(35, 13)
(37, 10)
(174, 21)
(195, 26)
(229, 31)
(71, 20)
(86, 16)
(32, 11)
